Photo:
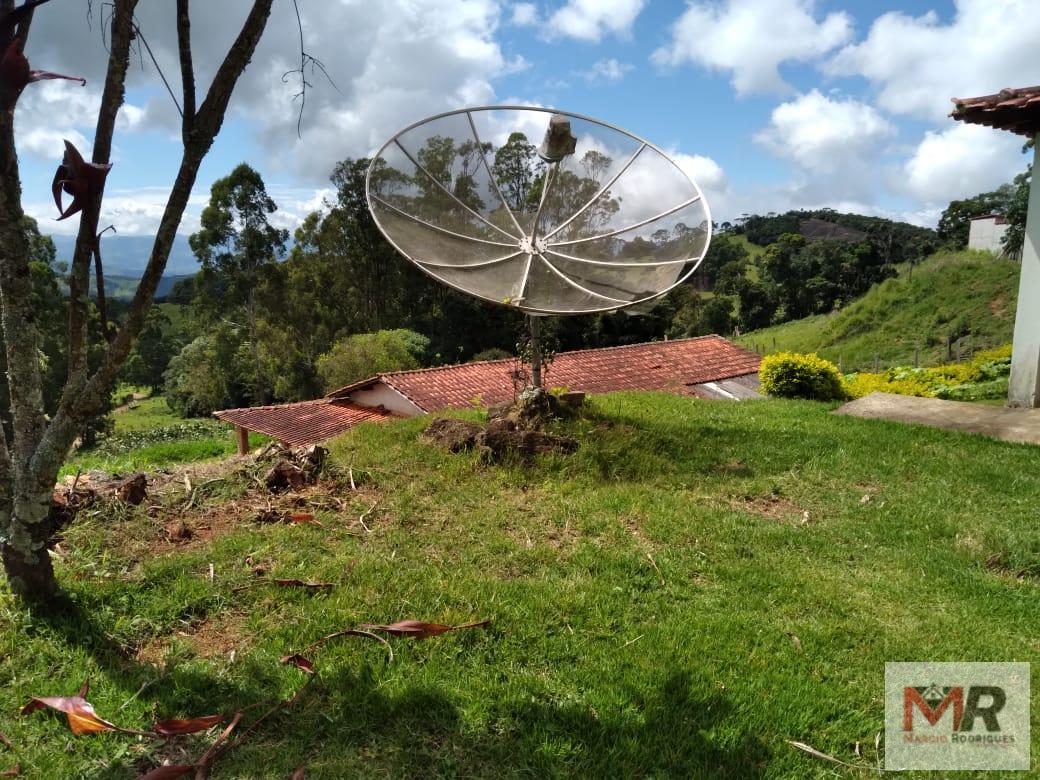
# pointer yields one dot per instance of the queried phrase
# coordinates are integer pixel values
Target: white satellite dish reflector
(596, 219)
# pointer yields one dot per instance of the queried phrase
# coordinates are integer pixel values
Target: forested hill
(906, 241)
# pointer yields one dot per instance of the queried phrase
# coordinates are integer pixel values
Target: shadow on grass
(348, 724)
(422, 733)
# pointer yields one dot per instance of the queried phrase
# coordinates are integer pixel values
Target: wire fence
(911, 352)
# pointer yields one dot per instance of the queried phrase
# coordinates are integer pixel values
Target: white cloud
(405, 59)
(524, 14)
(608, 69)
(709, 176)
(959, 162)
(591, 20)
(821, 134)
(918, 64)
(751, 39)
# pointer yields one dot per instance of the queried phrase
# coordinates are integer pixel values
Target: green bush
(791, 375)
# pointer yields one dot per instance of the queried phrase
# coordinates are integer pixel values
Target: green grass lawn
(149, 435)
(698, 584)
(950, 294)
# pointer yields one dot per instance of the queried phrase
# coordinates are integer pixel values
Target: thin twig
(631, 641)
(350, 632)
(366, 514)
(305, 60)
(653, 563)
(146, 684)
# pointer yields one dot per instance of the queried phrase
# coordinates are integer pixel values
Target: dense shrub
(791, 375)
(984, 378)
(366, 354)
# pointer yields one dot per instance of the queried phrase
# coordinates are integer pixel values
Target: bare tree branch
(305, 61)
(111, 101)
(187, 68)
(87, 396)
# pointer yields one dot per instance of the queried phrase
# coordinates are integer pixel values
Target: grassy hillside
(966, 295)
(700, 583)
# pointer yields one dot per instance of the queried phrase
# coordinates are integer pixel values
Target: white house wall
(986, 234)
(1025, 356)
(381, 394)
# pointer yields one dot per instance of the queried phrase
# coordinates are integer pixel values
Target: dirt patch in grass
(997, 308)
(213, 637)
(771, 507)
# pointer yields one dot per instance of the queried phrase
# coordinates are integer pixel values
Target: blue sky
(769, 104)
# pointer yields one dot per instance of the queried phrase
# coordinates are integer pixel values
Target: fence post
(917, 355)
(877, 364)
(949, 348)
(841, 365)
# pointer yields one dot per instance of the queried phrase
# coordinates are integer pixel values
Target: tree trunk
(26, 560)
(29, 464)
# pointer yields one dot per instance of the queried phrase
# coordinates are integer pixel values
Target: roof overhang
(1014, 110)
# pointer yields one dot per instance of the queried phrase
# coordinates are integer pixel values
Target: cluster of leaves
(791, 375)
(366, 354)
(984, 377)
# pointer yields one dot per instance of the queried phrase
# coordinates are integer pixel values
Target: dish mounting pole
(535, 328)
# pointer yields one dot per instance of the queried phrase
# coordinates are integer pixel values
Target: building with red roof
(706, 367)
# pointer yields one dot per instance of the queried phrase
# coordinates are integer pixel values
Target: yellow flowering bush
(792, 375)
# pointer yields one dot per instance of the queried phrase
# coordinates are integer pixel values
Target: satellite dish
(594, 219)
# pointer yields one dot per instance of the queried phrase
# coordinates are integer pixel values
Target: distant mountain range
(125, 258)
(128, 255)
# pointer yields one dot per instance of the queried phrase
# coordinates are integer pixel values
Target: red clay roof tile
(1017, 110)
(659, 365)
(305, 422)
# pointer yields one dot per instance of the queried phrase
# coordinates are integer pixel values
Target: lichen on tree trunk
(31, 459)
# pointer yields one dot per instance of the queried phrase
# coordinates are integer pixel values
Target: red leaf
(420, 630)
(170, 772)
(12, 772)
(15, 73)
(302, 584)
(301, 662)
(304, 517)
(175, 727)
(80, 713)
(5, 740)
(84, 181)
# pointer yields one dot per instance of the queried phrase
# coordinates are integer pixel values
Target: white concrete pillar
(1025, 352)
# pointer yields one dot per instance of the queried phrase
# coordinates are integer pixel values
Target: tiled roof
(1017, 110)
(660, 365)
(305, 422)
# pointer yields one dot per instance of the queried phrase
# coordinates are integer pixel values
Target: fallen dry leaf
(304, 517)
(795, 641)
(865, 499)
(169, 772)
(416, 629)
(299, 773)
(80, 713)
(300, 661)
(5, 740)
(12, 772)
(176, 727)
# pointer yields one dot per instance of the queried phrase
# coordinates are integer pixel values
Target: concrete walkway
(1018, 425)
